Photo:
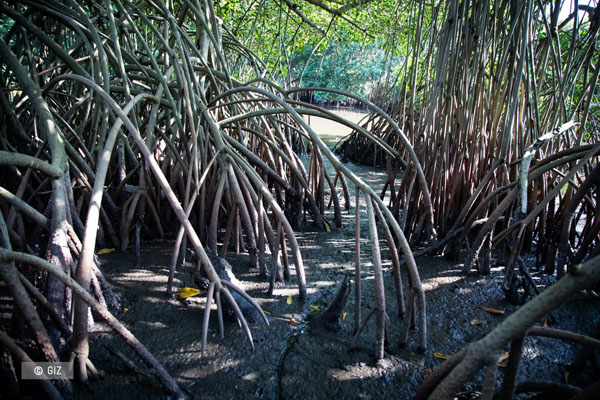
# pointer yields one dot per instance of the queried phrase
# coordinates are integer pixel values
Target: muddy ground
(292, 361)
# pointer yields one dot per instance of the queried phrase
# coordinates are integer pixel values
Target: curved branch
(413, 156)
(130, 339)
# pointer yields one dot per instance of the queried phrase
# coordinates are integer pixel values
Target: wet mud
(293, 361)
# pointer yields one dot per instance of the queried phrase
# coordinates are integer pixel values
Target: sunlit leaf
(289, 299)
(442, 356)
(503, 358)
(316, 308)
(186, 292)
(492, 310)
(106, 251)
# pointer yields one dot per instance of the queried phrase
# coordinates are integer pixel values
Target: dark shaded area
(293, 361)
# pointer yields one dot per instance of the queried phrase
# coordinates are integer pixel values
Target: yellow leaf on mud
(292, 321)
(566, 378)
(503, 358)
(289, 300)
(442, 356)
(186, 292)
(266, 312)
(326, 225)
(316, 308)
(343, 316)
(125, 309)
(491, 310)
(477, 321)
(106, 251)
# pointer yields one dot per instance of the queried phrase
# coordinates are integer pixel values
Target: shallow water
(326, 127)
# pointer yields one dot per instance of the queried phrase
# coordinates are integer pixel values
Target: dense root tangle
(509, 162)
(121, 117)
(506, 132)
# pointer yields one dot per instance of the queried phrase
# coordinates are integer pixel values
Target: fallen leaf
(503, 358)
(442, 356)
(566, 378)
(343, 316)
(326, 225)
(545, 324)
(292, 321)
(186, 292)
(316, 308)
(491, 310)
(106, 251)
(266, 312)
(289, 299)
(125, 309)
(477, 321)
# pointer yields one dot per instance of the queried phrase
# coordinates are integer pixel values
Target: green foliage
(303, 44)
(5, 25)
(382, 46)
(355, 67)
